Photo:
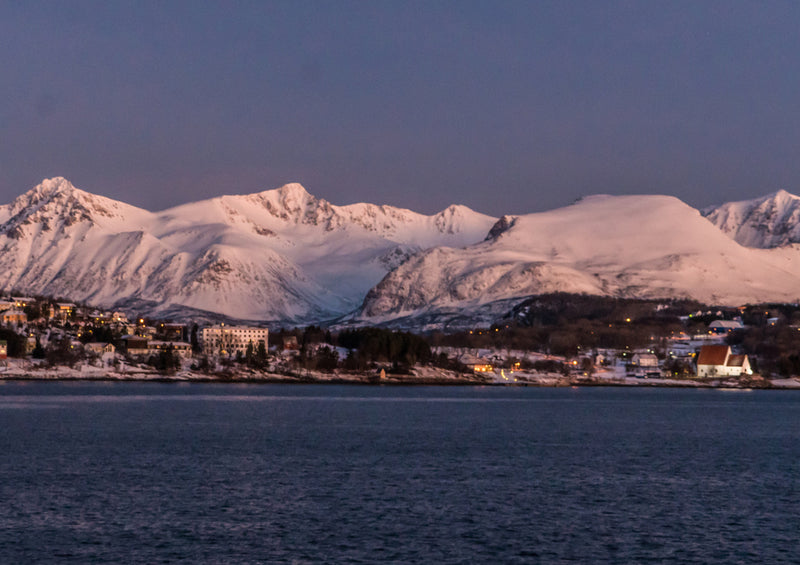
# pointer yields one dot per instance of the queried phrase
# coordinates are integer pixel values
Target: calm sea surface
(210, 473)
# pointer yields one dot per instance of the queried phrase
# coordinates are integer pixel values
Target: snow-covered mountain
(284, 255)
(770, 221)
(276, 255)
(631, 246)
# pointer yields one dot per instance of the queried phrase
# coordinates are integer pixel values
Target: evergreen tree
(38, 351)
(194, 340)
(261, 354)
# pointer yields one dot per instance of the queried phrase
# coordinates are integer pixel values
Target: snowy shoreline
(420, 377)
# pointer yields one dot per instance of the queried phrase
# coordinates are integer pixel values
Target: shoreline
(426, 377)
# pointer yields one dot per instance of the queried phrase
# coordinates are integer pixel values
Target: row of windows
(236, 336)
(235, 329)
(234, 341)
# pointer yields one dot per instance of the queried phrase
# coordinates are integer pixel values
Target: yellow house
(477, 364)
(13, 316)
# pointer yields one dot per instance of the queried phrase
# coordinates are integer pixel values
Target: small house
(133, 345)
(180, 348)
(724, 326)
(476, 364)
(119, 317)
(172, 332)
(13, 316)
(99, 347)
(22, 301)
(64, 310)
(645, 361)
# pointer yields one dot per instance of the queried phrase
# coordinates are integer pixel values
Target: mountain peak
(292, 193)
(55, 184)
(55, 204)
(456, 210)
(769, 221)
(51, 188)
(56, 188)
(782, 196)
(293, 188)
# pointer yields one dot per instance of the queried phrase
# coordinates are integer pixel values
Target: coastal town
(42, 338)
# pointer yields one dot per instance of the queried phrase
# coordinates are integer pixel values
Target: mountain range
(278, 255)
(285, 256)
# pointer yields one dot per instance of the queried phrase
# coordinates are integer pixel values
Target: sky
(506, 107)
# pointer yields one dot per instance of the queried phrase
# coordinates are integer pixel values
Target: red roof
(713, 355)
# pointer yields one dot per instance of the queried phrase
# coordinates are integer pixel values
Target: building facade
(13, 316)
(645, 361)
(133, 345)
(228, 340)
(180, 348)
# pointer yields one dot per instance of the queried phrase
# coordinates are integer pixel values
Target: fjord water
(212, 473)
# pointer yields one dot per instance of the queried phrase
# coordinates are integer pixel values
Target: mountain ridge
(649, 246)
(280, 254)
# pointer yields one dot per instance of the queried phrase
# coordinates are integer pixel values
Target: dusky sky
(506, 107)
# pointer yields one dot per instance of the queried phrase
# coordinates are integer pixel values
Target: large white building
(227, 340)
(719, 361)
